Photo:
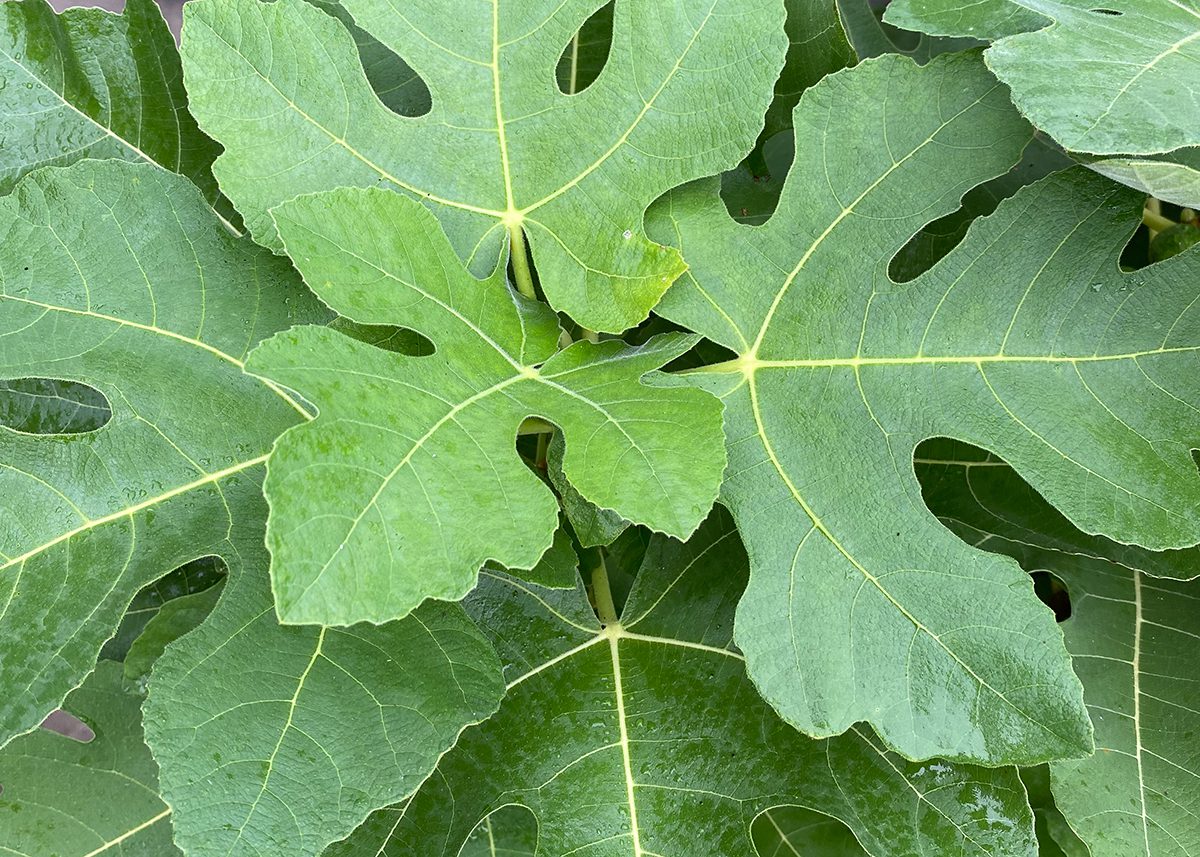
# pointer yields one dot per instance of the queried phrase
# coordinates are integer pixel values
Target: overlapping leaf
(408, 481)
(119, 277)
(1027, 338)
(70, 799)
(1132, 633)
(89, 84)
(502, 149)
(646, 737)
(280, 740)
(1114, 78)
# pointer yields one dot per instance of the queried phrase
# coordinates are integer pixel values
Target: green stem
(543, 445)
(1156, 222)
(520, 262)
(606, 609)
(589, 335)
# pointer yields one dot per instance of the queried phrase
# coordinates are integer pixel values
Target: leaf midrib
(513, 213)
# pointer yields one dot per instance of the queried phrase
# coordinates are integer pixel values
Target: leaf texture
(70, 799)
(280, 740)
(1026, 339)
(647, 738)
(118, 276)
(1116, 78)
(681, 96)
(411, 462)
(86, 83)
(1131, 633)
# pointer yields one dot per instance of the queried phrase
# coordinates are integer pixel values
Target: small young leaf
(280, 86)
(410, 463)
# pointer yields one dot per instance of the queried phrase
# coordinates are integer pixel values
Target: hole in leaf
(939, 237)
(511, 830)
(195, 576)
(399, 340)
(796, 830)
(398, 86)
(1052, 592)
(586, 53)
(751, 190)
(1113, 12)
(69, 726)
(52, 406)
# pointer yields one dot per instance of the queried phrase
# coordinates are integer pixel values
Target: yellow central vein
(92, 523)
(287, 725)
(748, 365)
(159, 331)
(150, 822)
(624, 138)
(417, 445)
(842, 215)
(613, 632)
(500, 133)
(1137, 703)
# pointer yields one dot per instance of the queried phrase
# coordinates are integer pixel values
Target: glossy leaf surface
(1026, 338)
(646, 737)
(119, 276)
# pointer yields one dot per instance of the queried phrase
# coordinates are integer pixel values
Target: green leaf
(1131, 632)
(70, 799)
(90, 84)
(647, 737)
(1027, 339)
(118, 276)
(281, 87)
(411, 462)
(790, 831)
(1171, 178)
(592, 525)
(277, 739)
(174, 619)
(191, 578)
(1117, 78)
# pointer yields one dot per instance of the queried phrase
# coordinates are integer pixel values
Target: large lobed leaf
(1027, 339)
(278, 739)
(408, 480)
(1132, 630)
(682, 95)
(1112, 78)
(117, 276)
(646, 737)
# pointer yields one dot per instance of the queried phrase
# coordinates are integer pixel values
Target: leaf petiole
(606, 608)
(520, 262)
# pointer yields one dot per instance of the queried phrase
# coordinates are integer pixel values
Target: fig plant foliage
(653, 428)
